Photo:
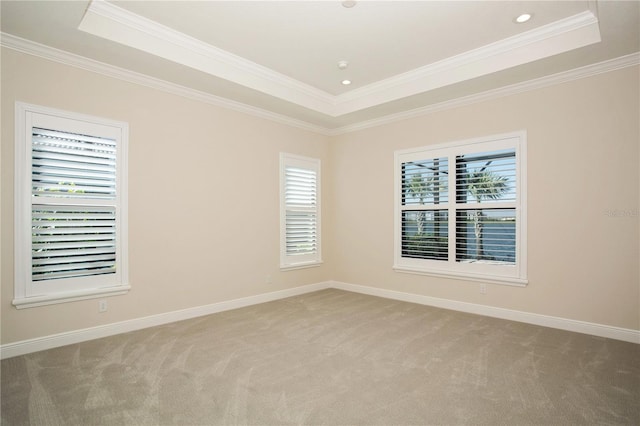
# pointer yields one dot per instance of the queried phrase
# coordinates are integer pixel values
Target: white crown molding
(49, 53)
(561, 36)
(56, 55)
(538, 83)
(111, 22)
(10, 350)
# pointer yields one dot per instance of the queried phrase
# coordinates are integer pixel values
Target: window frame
(515, 274)
(289, 262)
(28, 292)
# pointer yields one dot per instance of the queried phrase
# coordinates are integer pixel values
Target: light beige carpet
(333, 358)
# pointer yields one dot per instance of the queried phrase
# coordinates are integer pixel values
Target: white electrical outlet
(483, 288)
(102, 306)
(268, 280)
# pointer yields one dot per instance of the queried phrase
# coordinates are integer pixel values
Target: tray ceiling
(281, 58)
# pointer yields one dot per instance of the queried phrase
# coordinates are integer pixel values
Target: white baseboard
(76, 336)
(625, 334)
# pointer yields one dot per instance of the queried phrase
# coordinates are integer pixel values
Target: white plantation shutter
(461, 209)
(486, 199)
(301, 218)
(425, 196)
(72, 240)
(301, 232)
(73, 166)
(300, 211)
(74, 243)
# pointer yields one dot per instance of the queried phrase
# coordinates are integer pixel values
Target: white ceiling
(279, 59)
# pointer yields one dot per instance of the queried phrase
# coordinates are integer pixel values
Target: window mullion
(452, 210)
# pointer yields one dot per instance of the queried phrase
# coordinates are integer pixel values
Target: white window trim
(28, 116)
(515, 275)
(288, 262)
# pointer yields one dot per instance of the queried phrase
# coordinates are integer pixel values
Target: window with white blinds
(70, 209)
(461, 211)
(299, 211)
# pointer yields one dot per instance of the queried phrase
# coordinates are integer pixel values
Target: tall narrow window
(299, 212)
(70, 206)
(461, 209)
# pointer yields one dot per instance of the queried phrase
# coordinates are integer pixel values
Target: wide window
(71, 220)
(299, 212)
(461, 209)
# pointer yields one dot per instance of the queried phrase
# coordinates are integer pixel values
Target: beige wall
(583, 140)
(203, 198)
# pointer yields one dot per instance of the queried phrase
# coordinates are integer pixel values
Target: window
(461, 209)
(299, 212)
(71, 218)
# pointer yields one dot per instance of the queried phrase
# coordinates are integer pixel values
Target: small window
(460, 209)
(299, 212)
(71, 216)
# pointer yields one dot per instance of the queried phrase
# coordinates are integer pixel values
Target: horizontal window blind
(301, 210)
(72, 237)
(486, 177)
(425, 234)
(70, 165)
(484, 234)
(425, 190)
(72, 241)
(425, 182)
(487, 235)
(300, 245)
(301, 232)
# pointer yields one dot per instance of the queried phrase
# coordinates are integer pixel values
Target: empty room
(320, 212)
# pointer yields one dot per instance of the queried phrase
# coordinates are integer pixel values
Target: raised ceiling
(280, 59)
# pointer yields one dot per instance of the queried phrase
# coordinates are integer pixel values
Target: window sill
(32, 302)
(294, 266)
(491, 279)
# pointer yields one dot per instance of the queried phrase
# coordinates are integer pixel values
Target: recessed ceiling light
(348, 4)
(343, 65)
(523, 18)
(346, 82)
